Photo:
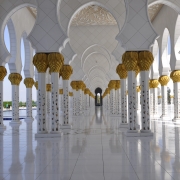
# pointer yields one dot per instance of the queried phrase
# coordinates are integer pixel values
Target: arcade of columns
(124, 97)
(118, 101)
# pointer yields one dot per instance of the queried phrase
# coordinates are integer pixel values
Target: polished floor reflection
(94, 150)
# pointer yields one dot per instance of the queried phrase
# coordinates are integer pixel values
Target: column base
(2, 127)
(66, 127)
(124, 125)
(141, 133)
(15, 123)
(29, 119)
(48, 135)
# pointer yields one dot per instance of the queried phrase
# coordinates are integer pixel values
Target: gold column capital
(60, 91)
(118, 84)
(29, 82)
(159, 97)
(36, 85)
(3, 73)
(121, 71)
(86, 91)
(55, 62)
(48, 87)
(164, 80)
(154, 83)
(145, 60)
(40, 61)
(73, 84)
(66, 72)
(15, 78)
(112, 84)
(175, 76)
(79, 85)
(130, 60)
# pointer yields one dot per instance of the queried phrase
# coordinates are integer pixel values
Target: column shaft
(132, 101)
(177, 101)
(66, 102)
(155, 102)
(1, 106)
(112, 102)
(145, 117)
(42, 125)
(55, 123)
(164, 102)
(15, 104)
(29, 104)
(123, 102)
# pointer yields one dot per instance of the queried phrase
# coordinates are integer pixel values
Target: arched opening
(93, 39)
(98, 97)
(166, 48)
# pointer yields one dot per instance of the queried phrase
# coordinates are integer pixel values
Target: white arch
(173, 4)
(165, 58)
(91, 54)
(28, 66)
(89, 3)
(98, 48)
(177, 38)
(13, 46)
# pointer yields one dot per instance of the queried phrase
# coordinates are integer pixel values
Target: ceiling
(96, 15)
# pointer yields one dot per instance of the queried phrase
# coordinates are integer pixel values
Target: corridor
(94, 150)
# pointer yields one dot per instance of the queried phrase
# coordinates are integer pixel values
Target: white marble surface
(94, 150)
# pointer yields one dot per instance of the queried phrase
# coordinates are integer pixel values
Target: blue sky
(7, 84)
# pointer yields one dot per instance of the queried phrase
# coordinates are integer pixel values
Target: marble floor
(95, 149)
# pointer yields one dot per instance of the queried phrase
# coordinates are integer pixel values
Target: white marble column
(122, 72)
(175, 76)
(42, 124)
(130, 60)
(66, 104)
(29, 82)
(40, 61)
(138, 105)
(132, 115)
(15, 80)
(154, 106)
(48, 95)
(145, 112)
(164, 81)
(3, 73)
(48, 101)
(74, 102)
(55, 62)
(176, 101)
(118, 97)
(61, 105)
(124, 122)
(1, 106)
(55, 119)
(37, 109)
(151, 101)
(145, 61)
